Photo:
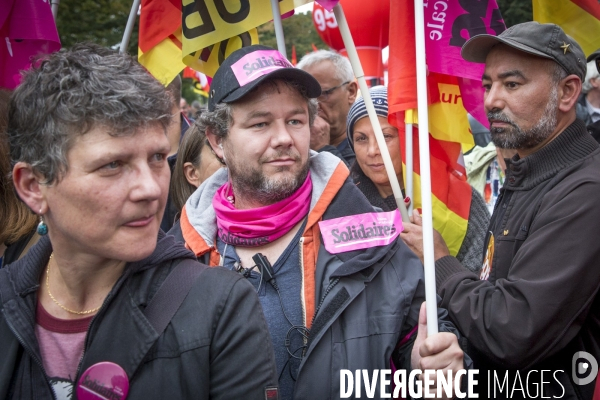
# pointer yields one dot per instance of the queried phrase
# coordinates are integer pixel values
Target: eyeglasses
(326, 93)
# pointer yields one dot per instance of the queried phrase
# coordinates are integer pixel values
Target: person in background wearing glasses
(588, 105)
(338, 93)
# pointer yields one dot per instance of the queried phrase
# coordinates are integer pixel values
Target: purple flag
(27, 29)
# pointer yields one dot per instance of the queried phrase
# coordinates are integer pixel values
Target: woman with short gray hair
(106, 305)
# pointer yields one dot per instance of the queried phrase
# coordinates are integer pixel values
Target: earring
(42, 228)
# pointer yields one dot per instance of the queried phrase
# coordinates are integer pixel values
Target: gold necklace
(56, 301)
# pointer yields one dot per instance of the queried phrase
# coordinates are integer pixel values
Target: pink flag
(328, 4)
(448, 25)
(27, 28)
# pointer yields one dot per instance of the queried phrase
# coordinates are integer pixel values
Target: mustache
(498, 116)
(294, 155)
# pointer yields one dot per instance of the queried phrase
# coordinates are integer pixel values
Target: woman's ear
(191, 174)
(27, 185)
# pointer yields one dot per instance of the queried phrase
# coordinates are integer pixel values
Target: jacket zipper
(331, 285)
(301, 254)
(33, 356)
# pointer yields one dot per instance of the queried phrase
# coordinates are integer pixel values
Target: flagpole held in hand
(129, 28)
(426, 202)
(362, 83)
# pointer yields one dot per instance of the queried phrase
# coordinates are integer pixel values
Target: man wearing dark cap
(532, 316)
(338, 288)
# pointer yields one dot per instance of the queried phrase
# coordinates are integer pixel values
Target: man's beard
(253, 185)
(516, 138)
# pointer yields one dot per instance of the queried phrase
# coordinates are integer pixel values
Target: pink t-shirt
(61, 344)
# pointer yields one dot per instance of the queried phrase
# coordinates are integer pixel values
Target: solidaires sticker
(360, 231)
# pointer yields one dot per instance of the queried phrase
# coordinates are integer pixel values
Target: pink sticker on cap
(104, 380)
(258, 63)
(360, 231)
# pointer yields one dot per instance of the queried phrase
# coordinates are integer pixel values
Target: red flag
(294, 59)
(402, 73)
(27, 29)
(158, 20)
(159, 44)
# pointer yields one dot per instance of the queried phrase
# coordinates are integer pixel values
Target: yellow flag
(580, 19)
(208, 60)
(163, 61)
(206, 22)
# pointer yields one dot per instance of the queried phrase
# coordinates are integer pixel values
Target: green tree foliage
(188, 93)
(515, 11)
(98, 21)
(298, 30)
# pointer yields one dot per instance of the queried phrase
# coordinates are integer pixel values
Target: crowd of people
(230, 253)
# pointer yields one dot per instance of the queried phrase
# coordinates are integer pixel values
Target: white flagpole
(426, 204)
(362, 83)
(278, 27)
(408, 188)
(129, 28)
(54, 4)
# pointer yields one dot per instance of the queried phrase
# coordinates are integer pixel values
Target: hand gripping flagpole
(426, 204)
(129, 28)
(362, 83)
(278, 27)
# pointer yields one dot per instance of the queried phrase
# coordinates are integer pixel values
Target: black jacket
(594, 130)
(540, 304)
(217, 345)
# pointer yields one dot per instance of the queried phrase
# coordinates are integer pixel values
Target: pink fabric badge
(360, 231)
(105, 380)
(258, 63)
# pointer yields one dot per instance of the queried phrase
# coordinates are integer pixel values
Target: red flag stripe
(590, 6)
(158, 20)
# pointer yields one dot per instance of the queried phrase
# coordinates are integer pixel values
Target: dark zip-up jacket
(217, 345)
(540, 304)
